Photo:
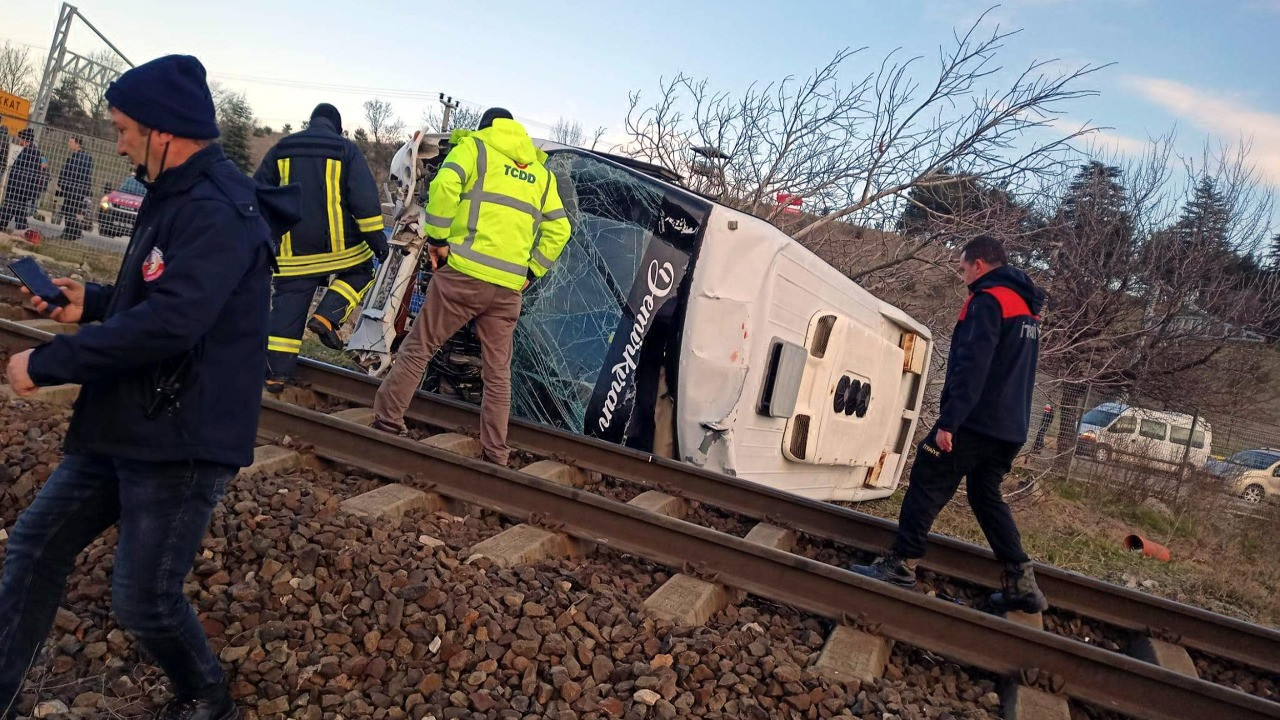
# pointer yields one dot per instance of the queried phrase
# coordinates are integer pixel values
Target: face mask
(141, 172)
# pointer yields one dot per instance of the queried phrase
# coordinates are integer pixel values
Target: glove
(377, 242)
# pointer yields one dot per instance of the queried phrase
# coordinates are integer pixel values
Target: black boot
(221, 707)
(1020, 591)
(324, 330)
(891, 568)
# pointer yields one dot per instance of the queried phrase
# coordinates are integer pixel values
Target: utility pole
(449, 106)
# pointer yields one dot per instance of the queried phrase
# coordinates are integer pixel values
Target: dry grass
(1222, 563)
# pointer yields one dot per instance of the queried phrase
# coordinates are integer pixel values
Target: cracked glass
(571, 314)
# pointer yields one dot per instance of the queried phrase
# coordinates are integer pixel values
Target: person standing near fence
(494, 222)
(340, 234)
(28, 179)
(170, 377)
(985, 415)
(74, 185)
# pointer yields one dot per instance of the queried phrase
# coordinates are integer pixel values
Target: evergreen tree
(1274, 255)
(1095, 215)
(235, 122)
(66, 106)
(1205, 220)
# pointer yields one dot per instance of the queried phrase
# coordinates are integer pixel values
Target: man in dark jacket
(986, 409)
(74, 185)
(340, 233)
(28, 179)
(170, 391)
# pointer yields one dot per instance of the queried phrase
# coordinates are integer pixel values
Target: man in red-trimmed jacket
(986, 410)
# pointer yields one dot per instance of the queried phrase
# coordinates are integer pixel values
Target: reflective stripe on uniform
(466, 251)
(359, 296)
(369, 224)
(534, 253)
(333, 195)
(347, 292)
(555, 214)
(473, 217)
(499, 199)
(284, 345)
(286, 243)
(457, 168)
(326, 263)
(439, 221)
(350, 252)
(542, 260)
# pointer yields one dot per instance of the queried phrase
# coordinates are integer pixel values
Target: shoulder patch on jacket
(1011, 303)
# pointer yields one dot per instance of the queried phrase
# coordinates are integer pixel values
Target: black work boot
(1020, 591)
(325, 331)
(891, 568)
(221, 707)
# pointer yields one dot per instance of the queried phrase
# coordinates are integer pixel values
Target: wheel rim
(1252, 494)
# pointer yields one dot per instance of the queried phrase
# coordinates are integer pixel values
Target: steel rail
(1196, 628)
(1193, 627)
(1091, 675)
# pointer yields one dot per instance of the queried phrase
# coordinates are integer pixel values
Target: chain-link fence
(1175, 459)
(69, 193)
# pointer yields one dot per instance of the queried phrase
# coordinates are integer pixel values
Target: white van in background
(1113, 431)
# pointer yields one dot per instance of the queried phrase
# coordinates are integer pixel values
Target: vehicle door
(1152, 440)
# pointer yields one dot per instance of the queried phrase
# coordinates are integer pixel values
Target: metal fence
(70, 193)
(1139, 451)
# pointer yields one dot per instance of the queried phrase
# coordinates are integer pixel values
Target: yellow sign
(14, 112)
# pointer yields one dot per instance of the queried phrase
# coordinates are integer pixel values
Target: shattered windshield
(572, 316)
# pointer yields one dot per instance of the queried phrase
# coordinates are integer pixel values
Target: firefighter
(985, 414)
(340, 234)
(494, 223)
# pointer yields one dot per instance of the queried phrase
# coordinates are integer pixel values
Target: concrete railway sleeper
(1096, 677)
(1093, 676)
(1130, 610)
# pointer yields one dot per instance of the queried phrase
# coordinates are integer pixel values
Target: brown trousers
(453, 299)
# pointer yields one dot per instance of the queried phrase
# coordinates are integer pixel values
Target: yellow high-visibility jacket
(497, 207)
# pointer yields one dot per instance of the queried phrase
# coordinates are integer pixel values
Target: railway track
(1094, 676)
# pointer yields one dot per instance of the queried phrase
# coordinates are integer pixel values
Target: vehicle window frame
(1143, 434)
(1113, 427)
(1195, 438)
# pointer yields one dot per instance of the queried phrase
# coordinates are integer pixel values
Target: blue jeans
(163, 511)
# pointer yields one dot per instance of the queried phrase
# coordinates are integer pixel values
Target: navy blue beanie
(169, 94)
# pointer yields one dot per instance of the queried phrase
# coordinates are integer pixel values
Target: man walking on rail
(494, 223)
(986, 410)
(341, 231)
(170, 386)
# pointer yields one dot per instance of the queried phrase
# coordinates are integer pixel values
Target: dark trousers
(74, 214)
(163, 511)
(16, 207)
(935, 477)
(291, 298)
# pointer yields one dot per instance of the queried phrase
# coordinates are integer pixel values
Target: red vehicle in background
(119, 208)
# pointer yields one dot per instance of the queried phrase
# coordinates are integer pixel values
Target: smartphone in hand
(38, 281)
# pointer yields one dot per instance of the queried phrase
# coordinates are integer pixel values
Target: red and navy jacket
(991, 369)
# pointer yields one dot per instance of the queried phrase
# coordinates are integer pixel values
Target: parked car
(1254, 475)
(1114, 431)
(119, 208)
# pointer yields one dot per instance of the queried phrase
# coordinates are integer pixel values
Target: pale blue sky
(1213, 69)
